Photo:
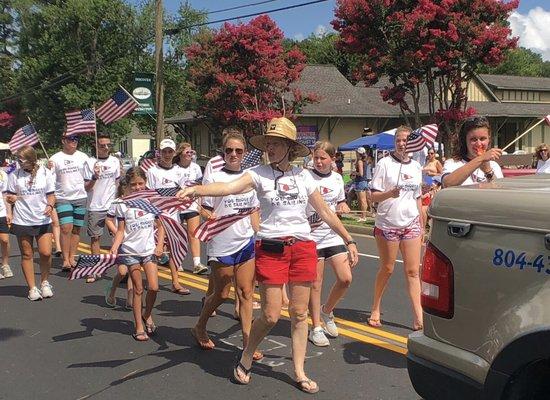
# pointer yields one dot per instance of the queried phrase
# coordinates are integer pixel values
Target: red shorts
(298, 263)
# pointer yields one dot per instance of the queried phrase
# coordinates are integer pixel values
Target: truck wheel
(531, 383)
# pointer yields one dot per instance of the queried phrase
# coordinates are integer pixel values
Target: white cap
(167, 143)
(361, 150)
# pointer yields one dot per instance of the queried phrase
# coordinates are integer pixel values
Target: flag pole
(522, 135)
(39, 141)
(96, 139)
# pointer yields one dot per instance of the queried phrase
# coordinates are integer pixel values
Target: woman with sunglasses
(69, 168)
(285, 251)
(30, 195)
(543, 159)
(192, 175)
(473, 161)
(231, 252)
(432, 167)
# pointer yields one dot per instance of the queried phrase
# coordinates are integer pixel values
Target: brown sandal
(375, 323)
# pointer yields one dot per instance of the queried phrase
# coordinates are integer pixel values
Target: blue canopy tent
(382, 141)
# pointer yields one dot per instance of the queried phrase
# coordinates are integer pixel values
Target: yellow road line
(201, 283)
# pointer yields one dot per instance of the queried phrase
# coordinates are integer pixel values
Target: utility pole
(159, 83)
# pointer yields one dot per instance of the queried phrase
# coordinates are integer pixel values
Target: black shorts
(4, 228)
(331, 251)
(30, 230)
(185, 216)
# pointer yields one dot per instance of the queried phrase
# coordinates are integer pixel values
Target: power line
(55, 81)
(239, 7)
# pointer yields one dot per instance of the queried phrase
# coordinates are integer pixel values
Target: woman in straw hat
(285, 251)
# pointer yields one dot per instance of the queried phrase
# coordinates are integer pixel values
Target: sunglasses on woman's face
(229, 150)
(72, 138)
(544, 150)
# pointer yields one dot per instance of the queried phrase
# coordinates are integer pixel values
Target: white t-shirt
(544, 167)
(69, 173)
(235, 237)
(3, 187)
(31, 202)
(283, 208)
(139, 231)
(396, 213)
(104, 191)
(331, 187)
(159, 177)
(213, 165)
(477, 176)
(191, 174)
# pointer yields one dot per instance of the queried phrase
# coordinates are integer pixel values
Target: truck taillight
(437, 283)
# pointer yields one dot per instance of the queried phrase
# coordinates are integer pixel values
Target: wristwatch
(351, 242)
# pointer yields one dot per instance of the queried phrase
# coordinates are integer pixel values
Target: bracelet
(351, 242)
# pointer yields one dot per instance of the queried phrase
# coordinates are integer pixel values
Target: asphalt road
(73, 346)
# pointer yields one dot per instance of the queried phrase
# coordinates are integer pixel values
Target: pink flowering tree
(427, 49)
(243, 76)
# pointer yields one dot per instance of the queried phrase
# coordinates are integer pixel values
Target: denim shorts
(362, 186)
(133, 260)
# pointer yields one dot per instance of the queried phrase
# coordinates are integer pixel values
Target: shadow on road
(361, 316)
(9, 333)
(358, 353)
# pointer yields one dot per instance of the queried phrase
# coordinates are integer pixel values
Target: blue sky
(530, 22)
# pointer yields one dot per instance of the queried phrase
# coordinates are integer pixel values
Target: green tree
(519, 62)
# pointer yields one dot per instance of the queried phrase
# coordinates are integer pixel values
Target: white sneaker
(34, 294)
(200, 269)
(180, 268)
(46, 289)
(6, 271)
(330, 326)
(318, 338)
(1, 276)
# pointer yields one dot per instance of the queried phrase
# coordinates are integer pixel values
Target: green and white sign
(143, 91)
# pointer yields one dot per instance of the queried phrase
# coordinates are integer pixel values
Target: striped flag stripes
(210, 228)
(80, 121)
(147, 163)
(118, 106)
(92, 265)
(25, 136)
(314, 221)
(425, 135)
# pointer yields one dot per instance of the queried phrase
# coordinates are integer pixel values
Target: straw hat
(283, 128)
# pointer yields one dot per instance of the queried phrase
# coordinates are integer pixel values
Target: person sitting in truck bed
(474, 161)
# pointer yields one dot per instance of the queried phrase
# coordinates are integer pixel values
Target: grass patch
(352, 221)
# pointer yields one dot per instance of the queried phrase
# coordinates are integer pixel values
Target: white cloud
(320, 31)
(299, 37)
(533, 30)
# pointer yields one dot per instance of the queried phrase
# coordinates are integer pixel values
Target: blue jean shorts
(362, 186)
(240, 256)
(133, 260)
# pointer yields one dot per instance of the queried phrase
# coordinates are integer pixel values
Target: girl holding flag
(396, 187)
(474, 161)
(330, 246)
(285, 251)
(135, 238)
(231, 251)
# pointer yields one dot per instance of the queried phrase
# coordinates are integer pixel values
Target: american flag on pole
(176, 235)
(163, 198)
(147, 163)
(210, 228)
(25, 136)
(421, 137)
(118, 106)
(216, 163)
(80, 121)
(547, 119)
(251, 159)
(92, 265)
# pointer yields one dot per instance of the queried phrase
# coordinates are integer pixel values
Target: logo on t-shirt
(287, 189)
(406, 177)
(324, 190)
(67, 162)
(139, 213)
(166, 181)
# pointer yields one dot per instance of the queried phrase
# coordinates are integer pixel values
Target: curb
(364, 230)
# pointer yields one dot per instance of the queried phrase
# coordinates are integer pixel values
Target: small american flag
(314, 221)
(547, 119)
(80, 121)
(217, 163)
(147, 163)
(92, 265)
(210, 228)
(25, 136)
(251, 159)
(176, 235)
(421, 137)
(163, 198)
(118, 106)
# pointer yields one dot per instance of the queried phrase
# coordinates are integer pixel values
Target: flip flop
(151, 328)
(181, 291)
(66, 268)
(257, 356)
(207, 344)
(375, 323)
(140, 336)
(309, 388)
(240, 366)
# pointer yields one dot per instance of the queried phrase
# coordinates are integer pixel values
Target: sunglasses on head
(72, 138)
(229, 150)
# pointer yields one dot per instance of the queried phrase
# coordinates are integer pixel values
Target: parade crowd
(284, 225)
